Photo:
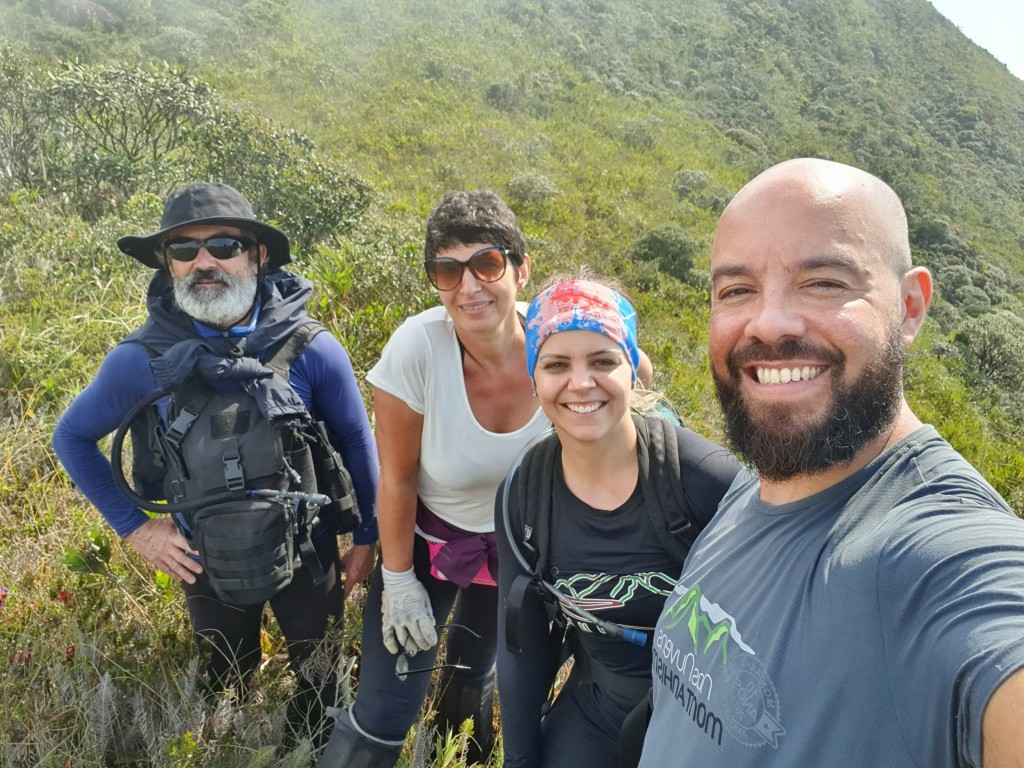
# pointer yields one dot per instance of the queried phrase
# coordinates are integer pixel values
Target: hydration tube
(571, 608)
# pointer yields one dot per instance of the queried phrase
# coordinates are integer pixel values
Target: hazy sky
(995, 25)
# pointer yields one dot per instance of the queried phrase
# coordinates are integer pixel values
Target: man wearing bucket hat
(219, 295)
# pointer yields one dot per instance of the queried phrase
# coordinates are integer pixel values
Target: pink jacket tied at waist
(459, 556)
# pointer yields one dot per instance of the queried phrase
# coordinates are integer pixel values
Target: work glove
(407, 618)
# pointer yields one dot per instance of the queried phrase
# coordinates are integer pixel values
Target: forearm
(524, 689)
(396, 519)
(523, 678)
(90, 471)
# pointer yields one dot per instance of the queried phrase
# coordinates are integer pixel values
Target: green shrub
(531, 188)
(670, 247)
(993, 346)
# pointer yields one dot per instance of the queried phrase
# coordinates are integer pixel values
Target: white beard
(218, 309)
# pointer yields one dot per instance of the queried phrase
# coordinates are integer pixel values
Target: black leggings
(229, 635)
(584, 727)
(386, 707)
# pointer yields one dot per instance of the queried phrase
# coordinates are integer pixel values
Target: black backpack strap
(303, 537)
(149, 462)
(281, 357)
(529, 521)
(533, 496)
(523, 585)
(193, 396)
(332, 478)
(661, 478)
(280, 361)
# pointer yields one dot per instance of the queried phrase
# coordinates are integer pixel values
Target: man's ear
(917, 297)
(263, 255)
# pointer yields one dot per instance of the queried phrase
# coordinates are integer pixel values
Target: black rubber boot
(468, 696)
(348, 748)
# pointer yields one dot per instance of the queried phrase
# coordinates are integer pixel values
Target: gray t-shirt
(867, 625)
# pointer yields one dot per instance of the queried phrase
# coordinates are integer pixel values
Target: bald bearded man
(858, 600)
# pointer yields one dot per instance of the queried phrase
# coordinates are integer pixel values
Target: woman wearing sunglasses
(453, 408)
(613, 500)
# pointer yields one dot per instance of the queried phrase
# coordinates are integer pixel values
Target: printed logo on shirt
(615, 591)
(687, 663)
(604, 591)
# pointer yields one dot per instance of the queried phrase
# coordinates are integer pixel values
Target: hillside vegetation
(617, 131)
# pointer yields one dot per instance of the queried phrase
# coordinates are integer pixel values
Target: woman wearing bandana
(602, 551)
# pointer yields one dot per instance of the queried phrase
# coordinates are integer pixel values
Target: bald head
(853, 199)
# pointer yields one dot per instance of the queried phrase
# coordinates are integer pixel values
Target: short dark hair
(476, 216)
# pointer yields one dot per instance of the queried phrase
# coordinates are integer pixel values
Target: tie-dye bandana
(581, 305)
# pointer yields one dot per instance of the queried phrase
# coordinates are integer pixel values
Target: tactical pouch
(247, 547)
(334, 481)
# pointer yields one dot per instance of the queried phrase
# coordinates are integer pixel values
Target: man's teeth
(580, 408)
(786, 375)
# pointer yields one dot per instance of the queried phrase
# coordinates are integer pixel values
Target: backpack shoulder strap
(527, 531)
(531, 516)
(661, 477)
(285, 353)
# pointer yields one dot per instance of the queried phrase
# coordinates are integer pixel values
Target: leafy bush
(640, 134)
(117, 129)
(504, 96)
(288, 182)
(670, 247)
(689, 182)
(932, 231)
(971, 299)
(746, 139)
(530, 187)
(993, 345)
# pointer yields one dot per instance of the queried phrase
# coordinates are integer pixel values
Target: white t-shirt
(461, 463)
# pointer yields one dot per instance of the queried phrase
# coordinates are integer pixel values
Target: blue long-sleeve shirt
(321, 376)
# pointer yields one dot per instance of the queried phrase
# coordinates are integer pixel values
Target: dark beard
(778, 445)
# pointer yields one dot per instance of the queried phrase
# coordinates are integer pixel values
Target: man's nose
(205, 260)
(775, 316)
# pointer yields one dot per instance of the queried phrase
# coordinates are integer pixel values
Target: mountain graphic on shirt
(703, 619)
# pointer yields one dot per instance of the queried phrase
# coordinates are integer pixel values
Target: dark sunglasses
(222, 248)
(487, 265)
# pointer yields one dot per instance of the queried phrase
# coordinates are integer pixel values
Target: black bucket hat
(208, 203)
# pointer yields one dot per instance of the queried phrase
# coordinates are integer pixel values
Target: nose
(204, 260)
(580, 378)
(775, 316)
(469, 284)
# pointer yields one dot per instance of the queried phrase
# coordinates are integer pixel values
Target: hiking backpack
(246, 493)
